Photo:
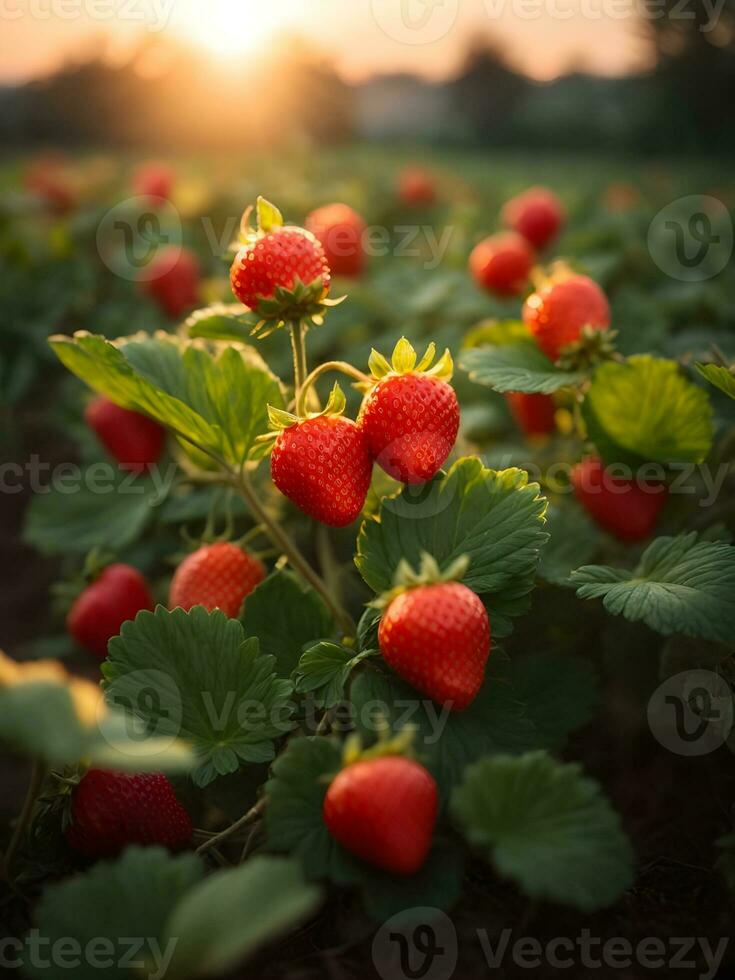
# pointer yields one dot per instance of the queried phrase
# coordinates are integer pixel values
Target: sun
(232, 28)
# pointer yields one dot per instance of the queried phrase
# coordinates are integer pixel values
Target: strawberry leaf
(295, 825)
(531, 703)
(681, 585)
(494, 517)
(647, 410)
(286, 616)
(222, 321)
(721, 377)
(547, 827)
(518, 366)
(215, 402)
(196, 674)
(324, 670)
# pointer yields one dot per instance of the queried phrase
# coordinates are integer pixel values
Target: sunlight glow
(232, 28)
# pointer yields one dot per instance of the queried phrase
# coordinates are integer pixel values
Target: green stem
(34, 788)
(254, 813)
(298, 346)
(341, 366)
(282, 540)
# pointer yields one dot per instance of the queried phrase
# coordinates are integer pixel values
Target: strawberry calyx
(592, 347)
(279, 419)
(429, 573)
(388, 743)
(404, 360)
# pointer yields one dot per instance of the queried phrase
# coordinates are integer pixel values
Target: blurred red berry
(340, 230)
(534, 413)
(558, 312)
(134, 440)
(501, 263)
(537, 214)
(154, 180)
(416, 187)
(627, 509)
(99, 611)
(172, 280)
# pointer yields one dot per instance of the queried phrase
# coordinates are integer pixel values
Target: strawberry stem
(298, 346)
(38, 773)
(253, 814)
(341, 366)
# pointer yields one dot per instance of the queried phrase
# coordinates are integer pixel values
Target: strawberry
(340, 230)
(410, 417)
(118, 594)
(501, 263)
(416, 187)
(112, 810)
(435, 634)
(558, 313)
(172, 280)
(383, 810)
(216, 576)
(154, 180)
(535, 414)
(628, 509)
(134, 440)
(537, 214)
(322, 463)
(281, 272)
(47, 180)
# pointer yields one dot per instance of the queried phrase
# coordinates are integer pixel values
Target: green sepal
(268, 215)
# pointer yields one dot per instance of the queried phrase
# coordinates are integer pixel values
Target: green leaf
(222, 321)
(233, 912)
(646, 410)
(326, 668)
(721, 377)
(285, 615)
(681, 585)
(295, 825)
(494, 517)
(517, 367)
(531, 703)
(498, 333)
(59, 522)
(124, 902)
(216, 402)
(547, 827)
(575, 540)
(196, 674)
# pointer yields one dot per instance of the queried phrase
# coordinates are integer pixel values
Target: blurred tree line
(177, 98)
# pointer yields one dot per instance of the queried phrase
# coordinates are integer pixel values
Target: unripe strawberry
(154, 180)
(134, 440)
(501, 264)
(216, 576)
(436, 636)
(384, 810)
(340, 231)
(410, 416)
(416, 187)
(537, 214)
(112, 810)
(534, 413)
(558, 312)
(627, 509)
(172, 280)
(99, 611)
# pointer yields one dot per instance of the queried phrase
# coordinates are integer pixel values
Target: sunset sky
(544, 38)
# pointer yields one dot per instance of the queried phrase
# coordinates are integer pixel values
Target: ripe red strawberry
(416, 187)
(534, 413)
(559, 311)
(99, 611)
(628, 509)
(323, 466)
(154, 180)
(410, 418)
(216, 576)
(537, 214)
(501, 263)
(47, 180)
(437, 637)
(384, 811)
(112, 810)
(172, 280)
(134, 440)
(279, 258)
(340, 230)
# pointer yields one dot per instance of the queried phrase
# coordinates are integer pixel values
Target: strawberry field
(369, 580)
